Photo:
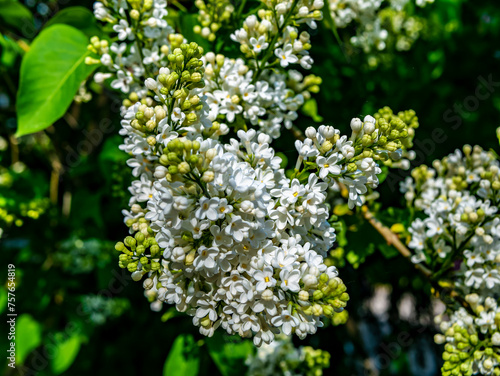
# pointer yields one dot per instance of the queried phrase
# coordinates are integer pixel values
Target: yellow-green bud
(184, 168)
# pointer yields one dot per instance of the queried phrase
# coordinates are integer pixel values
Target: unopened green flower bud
(326, 146)
(317, 294)
(164, 160)
(129, 241)
(317, 310)
(184, 168)
(344, 297)
(194, 159)
(119, 246)
(191, 118)
(303, 295)
(139, 236)
(327, 310)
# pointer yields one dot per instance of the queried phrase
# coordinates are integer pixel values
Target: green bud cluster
(98, 47)
(147, 117)
(140, 5)
(186, 73)
(326, 298)
(213, 14)
(132, 99)
(399, 128)
(316, 360)
(336, 257)
(466, 350)
(421, 174)
(182, 158)
(310, 84)
(460, 177)
(11, 211)
(339, 318)
(402, 38)
(141, 249)
(389, 134)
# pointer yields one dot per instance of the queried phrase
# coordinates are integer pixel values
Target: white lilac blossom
(471, 338)
(354, 162)
(272, 26)
(129, 61)
(237, 92)
(459, 198)
(379, 23)
(234, 99)
(458, 237)
(282, 358)
(245, 89)
(219, 230)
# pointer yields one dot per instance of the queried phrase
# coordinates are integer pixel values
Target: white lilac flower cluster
(379, 23)
(268, 103)
(237, 93)
(144, 42)
(282, 358)
(219, 229)
(242, 246)
(459, 238)
(353, 161)
(471, 338)
(245, 89)
(459, 198)
(270, 32)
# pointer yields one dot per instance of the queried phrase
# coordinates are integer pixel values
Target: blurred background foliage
(62, 191)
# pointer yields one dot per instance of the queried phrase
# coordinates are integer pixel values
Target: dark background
(63, 258)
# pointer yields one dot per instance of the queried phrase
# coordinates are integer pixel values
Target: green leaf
(51, 73)
(183, 358)
(28, 337)
(65, 354)
(229, 353)
(9, 52)
(16, 15)
(310, 108)
(79, 17)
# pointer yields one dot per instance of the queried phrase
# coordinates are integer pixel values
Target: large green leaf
(183, 358)
(16, 15)
(65, 354)
(51, 73)
(79, 17)
(229, 353)
(28, 337)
